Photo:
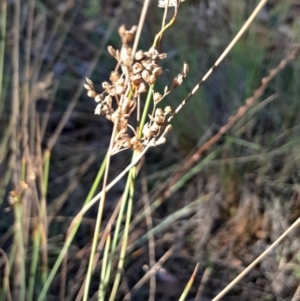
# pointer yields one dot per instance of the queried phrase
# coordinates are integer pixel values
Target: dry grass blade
(189, 284)
(6, 285)
(151, 241)
(147, 276)
(256, 261)
(202, 285)
(233, 119)
(222, 56)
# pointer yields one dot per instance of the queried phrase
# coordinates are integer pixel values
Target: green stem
(131, 176)
(102, 284)
(117, 229)
(72, 234)
(33, 266)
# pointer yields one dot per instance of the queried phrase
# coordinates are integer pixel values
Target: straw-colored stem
(222, 56)
(125, 237)
(6, 275)
(151, 242)
(145, 278)
(256, 261)
(2, 50)
(15, 111)
(19, 262)
(102, 284)
(189, 284)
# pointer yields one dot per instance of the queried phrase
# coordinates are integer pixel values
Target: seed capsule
(139, 55)
(145, 75)
(157, 71)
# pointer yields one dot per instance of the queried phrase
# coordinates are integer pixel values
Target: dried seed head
(152, 79)
(127, 37)
(168, 110)
(159, 112)
(99, 98)
(147, 132)
(87, 87)
(120, 81)
(175, 83)
(117, 54)
(139, 55)
(92, 94)
(163, 3)
(162, 56)
(146, 63)
(125, 55)
(136, 79)
(122, 30)
(157, 97)
(119, 89)
(98, 109)
(108, 100)
(114, 76)
(157, 71)
(105, 85)
(167, 89)
(111, 51)
(126, 141)
(159, 116)
(180, 78)
(137, 68)
(145, 75)
(185, 69)
(142, 88)
(153, 53)
(90, 83)
(149, 67)
(155, 129)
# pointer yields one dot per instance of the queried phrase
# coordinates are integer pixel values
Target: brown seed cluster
(134, 74)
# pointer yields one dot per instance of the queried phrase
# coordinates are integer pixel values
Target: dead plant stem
(222, 56)
(99, 215)
(256, 261)
(232, 120)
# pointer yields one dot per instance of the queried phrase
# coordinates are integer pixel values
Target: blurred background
(223, 212)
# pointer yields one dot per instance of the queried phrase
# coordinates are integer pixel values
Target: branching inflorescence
(134, 75)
